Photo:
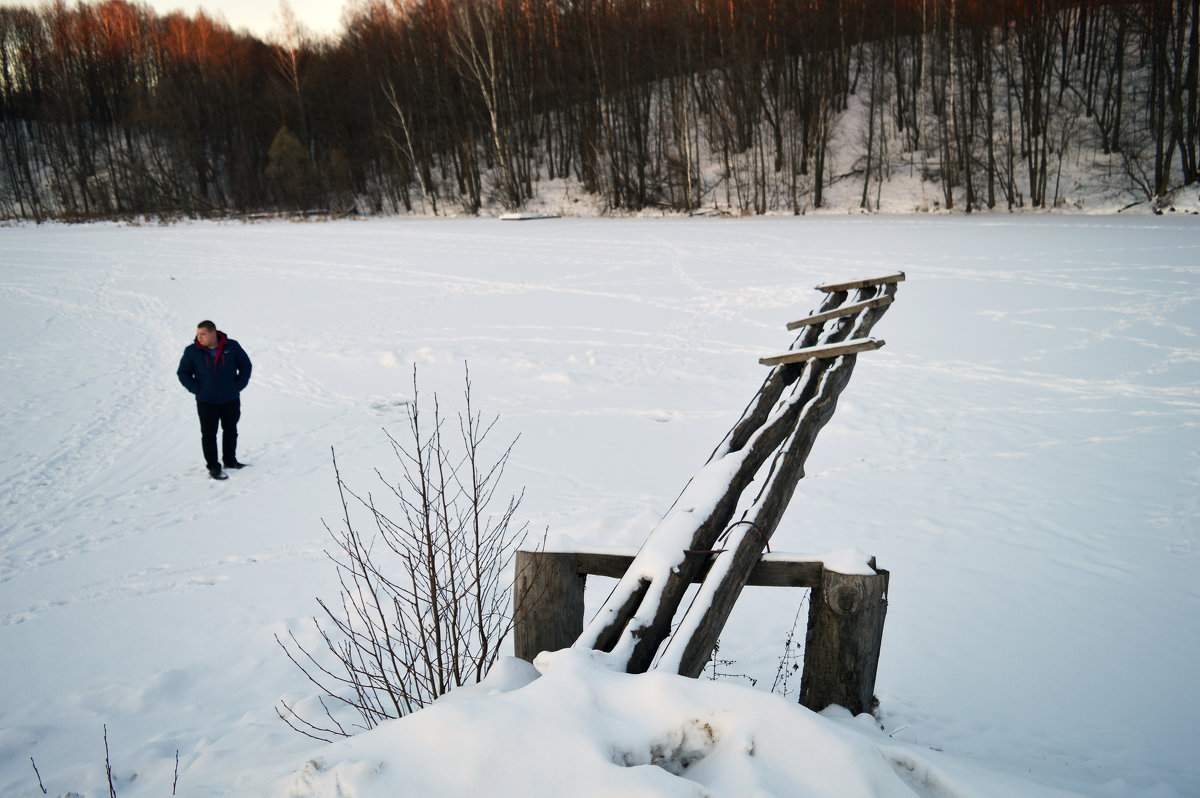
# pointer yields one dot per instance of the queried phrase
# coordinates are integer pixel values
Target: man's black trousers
(227, 416)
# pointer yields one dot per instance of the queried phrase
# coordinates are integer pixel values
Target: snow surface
(1023, 456)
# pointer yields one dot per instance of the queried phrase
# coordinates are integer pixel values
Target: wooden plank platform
(827, 351)
(837, 313)
(526, 217)
(830, 288)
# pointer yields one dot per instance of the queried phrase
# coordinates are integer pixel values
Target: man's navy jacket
(218, 376)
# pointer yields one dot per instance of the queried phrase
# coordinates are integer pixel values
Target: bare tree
(479, 58)
(425, 587)
(290, 49)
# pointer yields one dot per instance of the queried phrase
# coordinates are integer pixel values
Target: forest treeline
(453, 105)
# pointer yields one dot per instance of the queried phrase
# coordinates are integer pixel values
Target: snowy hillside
(1023, 456)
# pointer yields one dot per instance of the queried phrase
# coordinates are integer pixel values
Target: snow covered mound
(584, 730)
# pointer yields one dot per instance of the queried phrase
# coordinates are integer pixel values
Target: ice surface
(1023, 457)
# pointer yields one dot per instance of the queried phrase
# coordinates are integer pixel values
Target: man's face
(206, 338)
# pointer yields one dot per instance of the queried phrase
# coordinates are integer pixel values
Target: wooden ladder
(699, 541)
(794, 403)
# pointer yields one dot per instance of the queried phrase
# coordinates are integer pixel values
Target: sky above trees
(262, 18)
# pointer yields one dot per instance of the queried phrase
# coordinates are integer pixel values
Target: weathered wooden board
(775, 572)
(829, 288)
(829, 350)
(846, 310)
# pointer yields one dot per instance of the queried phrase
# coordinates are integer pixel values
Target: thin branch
(39, 776)
(112, 792)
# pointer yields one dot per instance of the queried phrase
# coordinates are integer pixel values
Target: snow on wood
(777, 569)
(692, 645)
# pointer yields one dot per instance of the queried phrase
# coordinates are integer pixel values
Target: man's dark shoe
(234, 464)
(216, 473)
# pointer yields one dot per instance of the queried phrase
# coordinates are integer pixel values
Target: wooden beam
(827, 351)
(608, 564)
(837, 313)
(775, 572)
(789, 573)
(829, 288)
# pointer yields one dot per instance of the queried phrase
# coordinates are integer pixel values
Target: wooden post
(547, 602)
(841, 649)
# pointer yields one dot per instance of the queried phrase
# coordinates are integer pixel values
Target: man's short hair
(208, 325)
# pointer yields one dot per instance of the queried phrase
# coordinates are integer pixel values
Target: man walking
(216, 370)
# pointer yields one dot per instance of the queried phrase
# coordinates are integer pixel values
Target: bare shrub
(425, 585)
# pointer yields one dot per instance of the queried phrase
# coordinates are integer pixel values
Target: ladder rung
(829, 288)
(823, 351)
(836, 313)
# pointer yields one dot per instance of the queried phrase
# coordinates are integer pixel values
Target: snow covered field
(1023, 456)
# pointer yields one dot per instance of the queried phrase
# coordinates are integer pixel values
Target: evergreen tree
(290, 171)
